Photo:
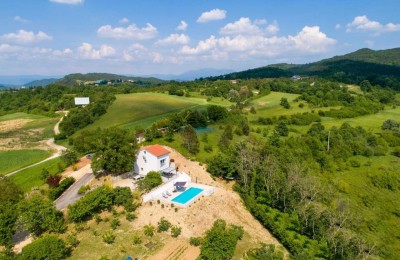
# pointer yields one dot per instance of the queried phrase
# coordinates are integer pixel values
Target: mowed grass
(128, 109)
(17, 159)
(369, 122)
(20, 115)
(29, 178)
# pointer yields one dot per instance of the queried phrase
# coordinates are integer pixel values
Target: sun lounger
(169, 194)
(165, 195)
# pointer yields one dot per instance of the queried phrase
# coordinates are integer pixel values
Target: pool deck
(168, 188)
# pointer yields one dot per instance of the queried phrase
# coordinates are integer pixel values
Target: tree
(69, 157)
(282, 129)
(47, 247)
(149, 230)
(38, 215)
(163, 225)
(219, 242)
(10, 195)
(190, 140)
(216, 113)
(365, 86)
(115, 150)
(150, 181)
(285, 103)
(391, 124)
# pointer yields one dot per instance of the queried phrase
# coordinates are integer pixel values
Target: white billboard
(82, 101)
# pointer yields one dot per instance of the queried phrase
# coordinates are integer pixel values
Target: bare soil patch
(11, 125)
(178, 249)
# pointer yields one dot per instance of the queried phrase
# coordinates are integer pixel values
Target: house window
(162, 162)
(144, 159)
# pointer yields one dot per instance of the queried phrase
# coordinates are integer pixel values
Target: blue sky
(57, 37)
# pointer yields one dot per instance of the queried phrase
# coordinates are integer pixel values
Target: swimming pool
(188, 195)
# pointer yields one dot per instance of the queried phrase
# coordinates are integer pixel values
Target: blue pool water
(187, 195)
(202, 130)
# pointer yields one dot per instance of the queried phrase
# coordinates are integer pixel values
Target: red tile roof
(156, 149)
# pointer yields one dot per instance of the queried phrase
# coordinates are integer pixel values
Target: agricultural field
(143, 109)
(30, 178)
(15, 159)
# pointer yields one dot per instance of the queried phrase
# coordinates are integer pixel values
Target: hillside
(40, 82)
(78, 78)
(379, 67)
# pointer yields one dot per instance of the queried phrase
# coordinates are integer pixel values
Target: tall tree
(190, 140)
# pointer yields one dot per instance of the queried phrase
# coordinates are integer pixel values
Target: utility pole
(329, 136)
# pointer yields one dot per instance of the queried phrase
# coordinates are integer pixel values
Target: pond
(203, 129)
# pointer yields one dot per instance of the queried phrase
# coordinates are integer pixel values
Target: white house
(151, 158)
(82, 101)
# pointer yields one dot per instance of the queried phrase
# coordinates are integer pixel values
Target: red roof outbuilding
(156, 150)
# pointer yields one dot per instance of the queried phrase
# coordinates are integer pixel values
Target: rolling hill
(379, 67)
(78, 78)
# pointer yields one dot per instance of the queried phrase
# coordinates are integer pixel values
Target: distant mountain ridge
(40, 82)
(379, 67)
(78, 78)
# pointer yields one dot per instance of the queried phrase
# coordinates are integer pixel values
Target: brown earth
(10, 125)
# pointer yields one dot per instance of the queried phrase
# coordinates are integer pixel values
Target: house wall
(147, 162)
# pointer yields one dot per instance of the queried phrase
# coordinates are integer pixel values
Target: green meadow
(30, 178)
(15, 159)
(142, 109)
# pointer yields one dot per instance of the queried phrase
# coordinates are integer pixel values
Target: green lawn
(29, 178)
(370, 122)
(129, 110)
(20, 115)
(17, 159)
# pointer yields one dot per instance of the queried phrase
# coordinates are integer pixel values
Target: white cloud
(174, 39)
(25, 37)
(213, 15)
(69, 2)
(6, 48)
(130, 32)
(310, 40)
(124, 20)
(86, 51)
(65, 52)
(363, 23)
(245, 26)
(20, 19)
(338, 26)
(182, 26)
(137, 52)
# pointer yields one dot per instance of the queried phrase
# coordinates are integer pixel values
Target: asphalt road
(71, 195)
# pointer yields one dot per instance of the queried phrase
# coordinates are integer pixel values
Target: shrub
(130, 216)
(163, 225)
(149, 230)
(195, 241)
(53, 180)
(72, 241)
(83, 189)
(97, 218)
(108, 237)
(150, 181)
(175, 231)
(137, 240)
(64, 185)
(47, 247)
(115, 223)
(93, 202)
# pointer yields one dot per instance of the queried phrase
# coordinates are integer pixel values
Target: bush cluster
(63, 186)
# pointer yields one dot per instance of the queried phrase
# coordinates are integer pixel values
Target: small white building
(82, 101)
(151, 158)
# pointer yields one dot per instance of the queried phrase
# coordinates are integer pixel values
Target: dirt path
(199, 217)
(50, 142)
(56, 127)
(177, 249)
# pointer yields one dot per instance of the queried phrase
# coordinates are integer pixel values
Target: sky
(58, 37)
